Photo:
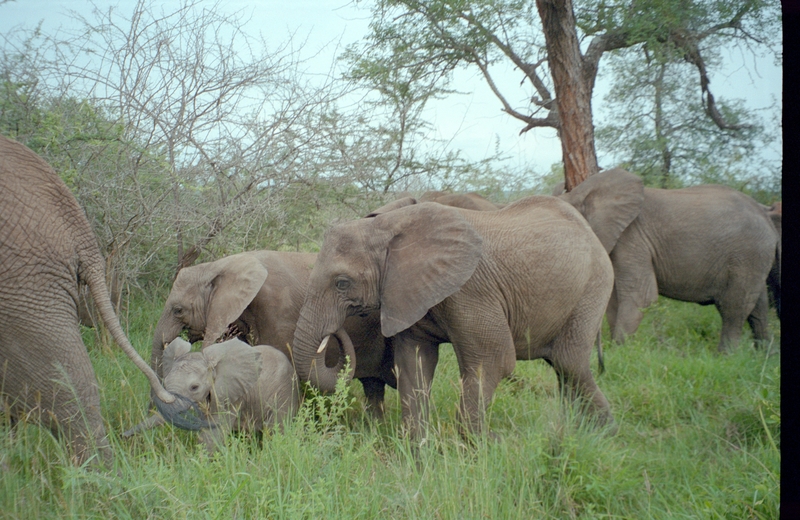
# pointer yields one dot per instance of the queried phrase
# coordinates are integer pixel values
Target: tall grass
(699, 437)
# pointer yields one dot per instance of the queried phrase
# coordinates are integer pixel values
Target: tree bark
(573, 95)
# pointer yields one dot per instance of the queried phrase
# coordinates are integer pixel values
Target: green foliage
(656, 126)
(692, 443)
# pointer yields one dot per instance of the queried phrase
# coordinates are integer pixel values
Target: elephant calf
(238, 387)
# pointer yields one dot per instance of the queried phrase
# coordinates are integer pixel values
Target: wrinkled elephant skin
(46, 249)
(529, 281)
(706, 244)
(258, 296)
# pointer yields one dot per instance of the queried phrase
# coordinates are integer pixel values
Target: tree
(654, 134)
(180, 134)
(440, 35)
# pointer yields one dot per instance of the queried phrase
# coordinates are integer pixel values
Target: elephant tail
(599, 342)
(95, 278)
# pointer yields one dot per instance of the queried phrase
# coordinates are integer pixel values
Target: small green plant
(326, 415)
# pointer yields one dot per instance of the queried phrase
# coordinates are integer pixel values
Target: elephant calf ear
(433, 252)
(174, 350)
(236, 367)
(609, 201)
(236, 283)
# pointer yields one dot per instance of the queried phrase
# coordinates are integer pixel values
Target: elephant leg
(415, 363)
(214, 438)
(736, 306)
(486, 354)
(76, 409)
(374, 390)
(570, 358)
(635, 288)
(58, 385)
(629, 316)
(758, 320)
(578, 387)
(478, 384)
(153, 421)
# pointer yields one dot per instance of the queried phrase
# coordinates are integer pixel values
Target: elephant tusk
(323, 344)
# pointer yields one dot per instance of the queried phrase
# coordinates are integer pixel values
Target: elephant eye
(194, 387)
(342, 284)
(177, 311)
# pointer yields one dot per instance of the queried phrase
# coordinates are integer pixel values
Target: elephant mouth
(193, 336)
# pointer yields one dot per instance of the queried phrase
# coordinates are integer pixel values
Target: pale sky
(472, 122)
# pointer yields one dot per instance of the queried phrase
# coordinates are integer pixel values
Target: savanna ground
(699, 437)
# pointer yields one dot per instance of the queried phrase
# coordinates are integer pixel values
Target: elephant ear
(173, 351)
(236, 367)
(397, 204)
(235, 284)
(609, 201)
(432, 253)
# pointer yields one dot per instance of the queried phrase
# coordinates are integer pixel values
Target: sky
(472, 122)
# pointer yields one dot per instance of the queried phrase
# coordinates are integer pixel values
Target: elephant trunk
(309, 354)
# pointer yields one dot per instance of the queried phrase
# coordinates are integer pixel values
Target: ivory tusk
(323, 344)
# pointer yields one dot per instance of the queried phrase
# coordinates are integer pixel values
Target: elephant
(775, 213)
(706, 244)
(529, 281)
(459, 200)
(47, 251)
(240, 388)
(258, 295)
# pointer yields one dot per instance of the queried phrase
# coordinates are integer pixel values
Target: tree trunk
(573, 95)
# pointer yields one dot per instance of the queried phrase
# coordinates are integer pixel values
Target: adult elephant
(706, 244)
(530, 281)
(775, 213)
(258, 295)
(47, 249)
(470, 200)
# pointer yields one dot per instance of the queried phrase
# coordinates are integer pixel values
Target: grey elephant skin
(47, 249)
(259, 294)
(241, 388)
(529, 281)
(472, 200)
(706, 244)
(775, 213)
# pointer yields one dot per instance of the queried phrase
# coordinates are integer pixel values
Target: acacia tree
(557, 48)
(230, 119)
(659, 130)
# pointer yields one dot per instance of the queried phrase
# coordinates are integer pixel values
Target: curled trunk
(309, 357)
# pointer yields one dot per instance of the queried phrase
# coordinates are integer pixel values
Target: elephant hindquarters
(572, 349)
(61, 391)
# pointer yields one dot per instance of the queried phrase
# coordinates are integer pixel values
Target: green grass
(699, 437)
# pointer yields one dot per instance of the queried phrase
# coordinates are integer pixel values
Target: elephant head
(205, 299)
(215, 378)
(403, 261)
(609, 201)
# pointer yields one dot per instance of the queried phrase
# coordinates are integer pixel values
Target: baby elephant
(239, 387)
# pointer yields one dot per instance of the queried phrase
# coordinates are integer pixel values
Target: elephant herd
(530, 280)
